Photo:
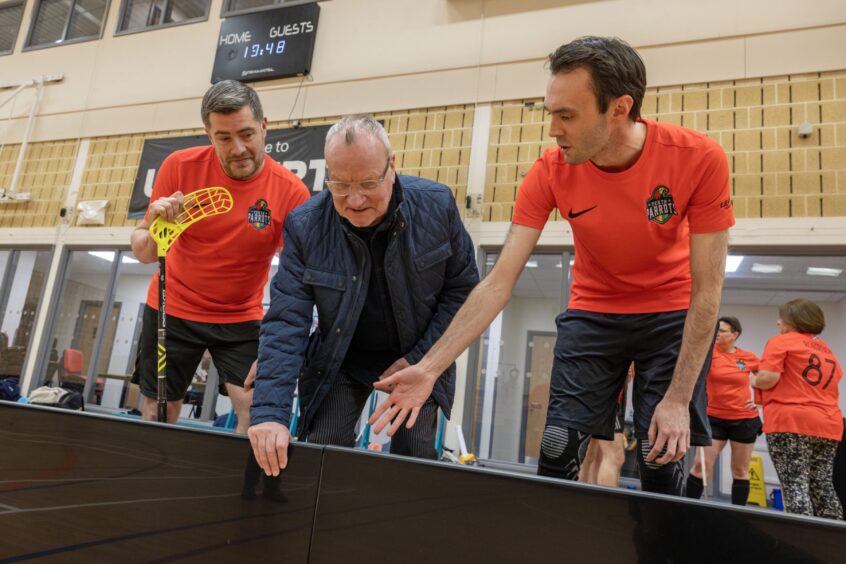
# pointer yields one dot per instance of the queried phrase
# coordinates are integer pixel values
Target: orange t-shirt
(805, 398)
(728, 384)
(631, 228)
(217, 268)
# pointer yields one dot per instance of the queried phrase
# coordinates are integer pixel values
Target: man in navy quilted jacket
(387, 262)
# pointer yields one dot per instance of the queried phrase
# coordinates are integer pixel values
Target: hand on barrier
(670, 430)
(270, 446)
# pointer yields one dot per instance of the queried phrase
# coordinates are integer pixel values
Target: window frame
(33, 17)
(225, 13)
(12, 4)
(122, 14)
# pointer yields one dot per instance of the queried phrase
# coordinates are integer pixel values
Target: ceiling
(543, 279)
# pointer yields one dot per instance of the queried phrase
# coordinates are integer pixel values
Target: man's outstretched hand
(409, 389)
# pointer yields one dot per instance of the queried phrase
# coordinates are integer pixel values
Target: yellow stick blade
(197, 205)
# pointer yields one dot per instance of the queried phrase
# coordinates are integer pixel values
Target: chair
(71, 376)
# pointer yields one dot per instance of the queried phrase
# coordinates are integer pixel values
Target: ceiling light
(820, 271)
(733, 262)
(532, 264)
(105, 255)
(559, 265)
(767, 268)
(110, 256)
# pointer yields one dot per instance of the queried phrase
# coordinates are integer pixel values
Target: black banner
(299, 150)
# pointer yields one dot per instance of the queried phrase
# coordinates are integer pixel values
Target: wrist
(676, 396)
(431, 370)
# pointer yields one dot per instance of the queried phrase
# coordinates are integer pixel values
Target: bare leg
(741, 455)
(150, 412)
(711, 454)
(590, 465)
(610, 461)
(241, 401)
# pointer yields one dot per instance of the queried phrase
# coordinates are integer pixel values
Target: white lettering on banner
(300, 168)
(291, 29)
(148, 182)
(282, 146)
(297, 167)
(319, 168)
(232, 38)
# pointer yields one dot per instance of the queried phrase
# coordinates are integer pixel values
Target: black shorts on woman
(592, 357)
(743, 431)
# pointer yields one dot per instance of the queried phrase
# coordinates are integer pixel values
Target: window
(232, 7)
(505, 417)
(61, 21)
(22, 277)
(10, 21)
(140, 15)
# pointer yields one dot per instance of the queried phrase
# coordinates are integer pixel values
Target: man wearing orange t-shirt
(217, 269)
(649, 205)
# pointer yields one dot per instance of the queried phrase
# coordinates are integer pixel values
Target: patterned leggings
(804, 465)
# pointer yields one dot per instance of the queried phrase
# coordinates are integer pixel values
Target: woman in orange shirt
(732, 413)
(799, 376)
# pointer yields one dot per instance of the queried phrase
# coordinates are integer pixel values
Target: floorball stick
(197, 205)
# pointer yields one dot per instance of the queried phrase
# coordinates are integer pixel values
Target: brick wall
(774, 172)
(45, 175)
(430, 142)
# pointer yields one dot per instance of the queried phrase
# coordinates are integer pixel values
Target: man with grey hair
(387, 262)
(216, 270)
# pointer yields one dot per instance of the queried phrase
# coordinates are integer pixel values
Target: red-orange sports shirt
(805, 398)
(728, 384)
(218, 267)
(631, 228)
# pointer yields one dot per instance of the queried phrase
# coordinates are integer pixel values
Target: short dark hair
(615, 69)
(803, 315)
(227, 97)
(732, 322)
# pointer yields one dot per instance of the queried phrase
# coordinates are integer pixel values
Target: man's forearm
(697, 339)
(143, 246)
(482, 306)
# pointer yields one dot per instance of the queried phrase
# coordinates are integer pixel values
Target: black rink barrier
(85, 488)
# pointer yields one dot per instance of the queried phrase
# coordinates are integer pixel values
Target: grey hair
(227, 97)
(359, 123)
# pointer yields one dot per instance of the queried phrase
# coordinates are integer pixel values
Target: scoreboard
(268, 44)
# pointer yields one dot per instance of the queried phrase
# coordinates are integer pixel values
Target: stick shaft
(161, 364)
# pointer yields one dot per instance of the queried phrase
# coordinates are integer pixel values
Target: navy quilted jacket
(430, 269)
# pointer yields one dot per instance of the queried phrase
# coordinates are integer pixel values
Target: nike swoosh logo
(572, 215)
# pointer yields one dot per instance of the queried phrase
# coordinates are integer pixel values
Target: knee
(557, 442)
(562, 450)
(740, 471)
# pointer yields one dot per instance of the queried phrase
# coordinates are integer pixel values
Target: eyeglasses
(341, 188)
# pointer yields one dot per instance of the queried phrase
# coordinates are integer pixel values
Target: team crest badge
(259, 215)
(660, 207)
(741, 365)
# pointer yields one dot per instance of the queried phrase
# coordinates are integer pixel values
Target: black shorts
(592, 356)
(736, 430)
(233, 348)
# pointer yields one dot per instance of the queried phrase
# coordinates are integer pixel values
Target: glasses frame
(341, 188)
